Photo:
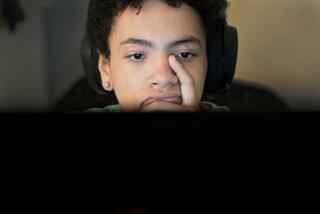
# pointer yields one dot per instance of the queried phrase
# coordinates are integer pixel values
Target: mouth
(176, 99)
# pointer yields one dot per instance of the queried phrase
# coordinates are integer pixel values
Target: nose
(161, 74)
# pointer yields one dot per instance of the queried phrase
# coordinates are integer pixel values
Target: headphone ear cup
(214, 78)
(222, 52)
(230, 55)
(89, 59)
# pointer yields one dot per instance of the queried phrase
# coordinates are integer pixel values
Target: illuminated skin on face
(141, 67)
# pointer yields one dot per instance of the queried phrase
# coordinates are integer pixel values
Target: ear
(104, 69)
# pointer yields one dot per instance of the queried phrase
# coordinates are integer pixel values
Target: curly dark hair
(102, 13)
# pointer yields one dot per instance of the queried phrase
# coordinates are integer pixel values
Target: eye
(136, 57)
(186, 55)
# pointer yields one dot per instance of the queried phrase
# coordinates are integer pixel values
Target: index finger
(187, 83)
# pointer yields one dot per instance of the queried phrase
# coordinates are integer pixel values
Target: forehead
(158, 21)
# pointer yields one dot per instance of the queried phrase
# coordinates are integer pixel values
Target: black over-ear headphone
(222, 54)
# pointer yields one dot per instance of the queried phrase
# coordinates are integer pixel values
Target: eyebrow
(142, 42)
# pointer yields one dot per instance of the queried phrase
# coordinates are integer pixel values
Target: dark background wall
(41, 60)
(64, 27)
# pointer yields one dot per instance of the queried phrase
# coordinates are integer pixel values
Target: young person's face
(140, 68)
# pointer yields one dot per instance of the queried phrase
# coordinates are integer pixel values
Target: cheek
(198, 71)
(127, 81)
(122, 75)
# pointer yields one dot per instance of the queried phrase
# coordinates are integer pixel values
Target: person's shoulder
(107, 109)
(212, 107)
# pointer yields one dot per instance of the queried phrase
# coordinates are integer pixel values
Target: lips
(171, 98)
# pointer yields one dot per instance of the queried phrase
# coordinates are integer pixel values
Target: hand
(189, 99)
